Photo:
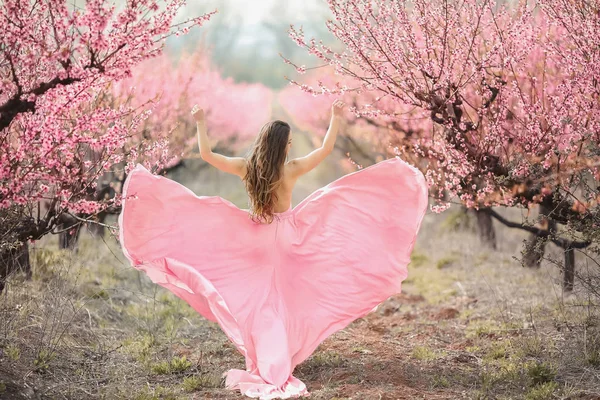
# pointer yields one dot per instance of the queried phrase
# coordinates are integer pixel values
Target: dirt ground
(471, 323)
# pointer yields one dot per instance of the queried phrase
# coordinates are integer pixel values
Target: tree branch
(560, 242)
(15, 106)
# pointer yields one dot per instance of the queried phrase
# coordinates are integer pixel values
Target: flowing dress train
(277, 290)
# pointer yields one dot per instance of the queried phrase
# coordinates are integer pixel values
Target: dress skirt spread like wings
(277, 290)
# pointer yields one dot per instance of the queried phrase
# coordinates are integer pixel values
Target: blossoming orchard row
(497, 102)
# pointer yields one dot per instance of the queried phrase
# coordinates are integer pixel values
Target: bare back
(295, 168)
(292, 170)
(284, 192)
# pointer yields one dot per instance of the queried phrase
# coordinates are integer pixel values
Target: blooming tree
(364, 139)
(235, 111)
(512, 92)
(56, 62)
(169, 88)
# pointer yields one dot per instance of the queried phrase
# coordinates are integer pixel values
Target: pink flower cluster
(59, 131)
(170, 87)
(509, 93)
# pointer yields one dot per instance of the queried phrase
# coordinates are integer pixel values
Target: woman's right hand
(336, 108)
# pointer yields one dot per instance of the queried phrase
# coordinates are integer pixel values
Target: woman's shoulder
(290, 168)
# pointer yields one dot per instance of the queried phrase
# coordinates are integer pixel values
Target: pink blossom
(495, 97)
(60, 131)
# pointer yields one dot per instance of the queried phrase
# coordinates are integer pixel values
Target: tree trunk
(536, 245)
(569, 270)
(534, 250)
(486, 229)
(68, 238)
(13, 260)
(97, 230)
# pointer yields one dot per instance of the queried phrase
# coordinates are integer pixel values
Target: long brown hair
(264, 169)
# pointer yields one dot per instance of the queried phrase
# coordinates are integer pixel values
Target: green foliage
(424, 353)
(13, 352)
(418, 259)
(324, 360)
(162, 368)
(197, 382)
(446, 262)
(508, 369)
(531, 346)
(361, 350)
(44, 357)
(499, 350)
(158, 393)
(540, 372)
(437, 286)
(543, 391)
(140, 346)
(481, 328)
(180, 364)
(44, 262)
(175, 366)
(440, 382)
(473, 349)
(94, 292)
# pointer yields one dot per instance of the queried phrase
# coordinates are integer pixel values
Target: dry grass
(88, 326)
(470, 323)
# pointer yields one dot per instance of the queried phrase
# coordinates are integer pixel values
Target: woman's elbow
(205, 154)
(327, 150)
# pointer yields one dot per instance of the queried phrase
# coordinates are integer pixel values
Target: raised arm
(302, 165)
(231, 165)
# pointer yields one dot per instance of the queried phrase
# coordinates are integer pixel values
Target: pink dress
(277, 290)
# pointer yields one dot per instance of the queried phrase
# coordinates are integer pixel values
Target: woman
(277, 280)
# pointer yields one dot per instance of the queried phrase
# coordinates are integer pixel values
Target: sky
(245, 37)
(253, 12)
(246, 19)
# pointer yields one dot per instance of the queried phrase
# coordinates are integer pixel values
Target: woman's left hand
(198, 113)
